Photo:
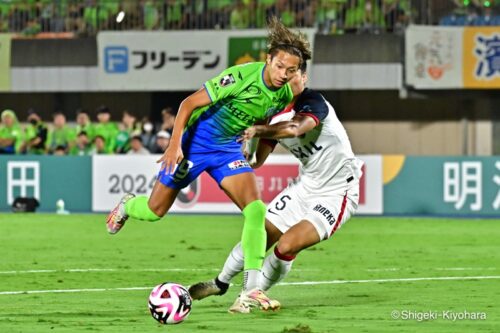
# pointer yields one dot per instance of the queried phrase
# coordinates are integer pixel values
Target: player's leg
(322, 219)
(279, 263)
(242, 188)
(163, 195)
(233, 266)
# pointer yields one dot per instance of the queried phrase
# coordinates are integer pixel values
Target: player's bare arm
(173, 154)
(261, 154)
(299, 125)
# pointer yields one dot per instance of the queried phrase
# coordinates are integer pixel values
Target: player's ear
(269, 58)
(305, 78)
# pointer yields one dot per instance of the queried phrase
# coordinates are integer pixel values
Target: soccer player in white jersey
(312, 208)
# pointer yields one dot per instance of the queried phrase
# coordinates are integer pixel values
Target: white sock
(251, 279)
(275, 268)
(233, 265)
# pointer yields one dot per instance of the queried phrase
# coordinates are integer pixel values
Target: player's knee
(158, 209)
(286, 247)
(255, 212)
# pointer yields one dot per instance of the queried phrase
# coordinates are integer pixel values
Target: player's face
(298, 83)
(281, 68)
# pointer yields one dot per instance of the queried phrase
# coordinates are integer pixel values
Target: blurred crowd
(31, 17)
(473, 13)
(130, 136)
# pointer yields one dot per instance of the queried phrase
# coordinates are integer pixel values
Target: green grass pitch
(371, 270)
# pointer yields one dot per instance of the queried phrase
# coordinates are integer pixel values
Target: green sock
(137, 208)
(253, 239)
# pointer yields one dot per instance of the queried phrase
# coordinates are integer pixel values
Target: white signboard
(172, 60)
(159, 60)
(434, 57)
(113, 176)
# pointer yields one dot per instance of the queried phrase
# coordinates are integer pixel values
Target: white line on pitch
(89, 270)
(439, 278)
(393, 269)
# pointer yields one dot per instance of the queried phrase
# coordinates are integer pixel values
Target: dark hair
(303, 67)
(82, 133)
(58, 113)
(103, 109)
(136, 137)
(280, 38)
(82, 110)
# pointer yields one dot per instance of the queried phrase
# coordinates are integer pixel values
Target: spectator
(59, 151)
(74, 19)
(151, 14)
(83, 124)
(304, 13)
(95, 17)
(99, 146)
(36, 134)
(364, 16)
(218, 14)
(148, 134)
(396, 14)
(10, 133)
(136, 146)
(106, 128)
(162, 141)
(82, 147)
(60, 135)
(487, 18)
(240, 16)
(285, 12)
(168, 119)
(128, 127)
(329, 16)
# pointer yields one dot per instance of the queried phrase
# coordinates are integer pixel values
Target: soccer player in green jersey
(205, 138)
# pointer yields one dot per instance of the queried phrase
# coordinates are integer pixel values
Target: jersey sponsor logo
(240, 114)
(306, 150)
(253, 90)
(227, 80)
(325, 212)
(238, 164)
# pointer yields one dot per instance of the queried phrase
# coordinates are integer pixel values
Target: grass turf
(187, 249)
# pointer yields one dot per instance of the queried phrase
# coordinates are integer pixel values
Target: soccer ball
(170, 303)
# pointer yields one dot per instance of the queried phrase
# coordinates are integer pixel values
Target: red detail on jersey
(341, 215)
(312, 116)
(362, 186)
(282, 256)
(288, 108)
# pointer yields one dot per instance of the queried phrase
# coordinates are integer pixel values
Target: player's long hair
(280, 38)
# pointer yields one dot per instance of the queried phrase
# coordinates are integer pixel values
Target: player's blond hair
(280, 38)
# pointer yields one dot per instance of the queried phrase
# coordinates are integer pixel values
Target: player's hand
(172, 156)
(247, 134)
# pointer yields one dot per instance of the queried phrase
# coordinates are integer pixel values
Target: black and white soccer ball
(170, 303)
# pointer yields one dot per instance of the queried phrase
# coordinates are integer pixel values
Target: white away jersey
(325, 153)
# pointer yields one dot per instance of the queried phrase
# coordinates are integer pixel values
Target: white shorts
(327, 210)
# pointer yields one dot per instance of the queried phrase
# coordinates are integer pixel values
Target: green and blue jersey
(239, 99)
